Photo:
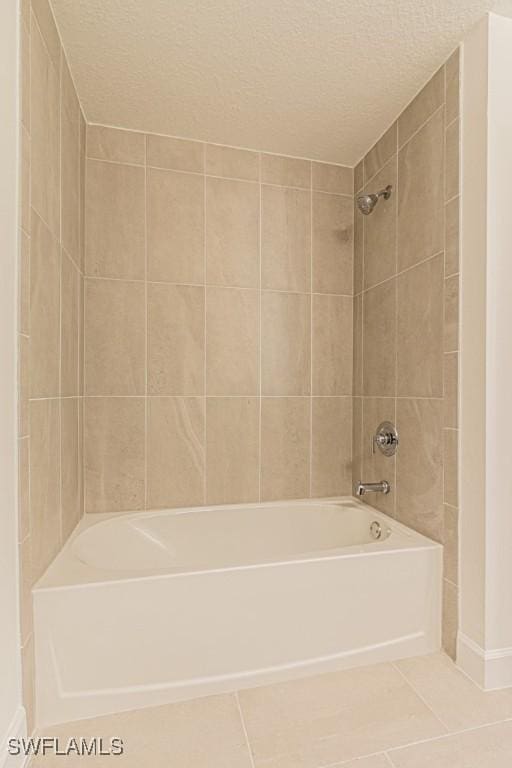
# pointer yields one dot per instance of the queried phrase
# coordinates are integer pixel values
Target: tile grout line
(205, 267)
(260, 345)
(244, 729)
(419, 695)
(311, 351)
(146, 326)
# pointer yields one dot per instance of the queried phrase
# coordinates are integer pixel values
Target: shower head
(366, 203)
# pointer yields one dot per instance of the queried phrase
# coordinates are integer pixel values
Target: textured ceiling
(311, 78)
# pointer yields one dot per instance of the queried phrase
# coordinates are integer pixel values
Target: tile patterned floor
(416, 713)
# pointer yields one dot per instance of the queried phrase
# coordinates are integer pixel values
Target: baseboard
(16, 730)
(491, 670)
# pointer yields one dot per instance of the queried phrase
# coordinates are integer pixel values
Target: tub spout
(362, 488)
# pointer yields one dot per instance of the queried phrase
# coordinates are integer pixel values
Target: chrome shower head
(366, 203)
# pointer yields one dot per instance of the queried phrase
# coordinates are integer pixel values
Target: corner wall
(485, 638)
(50, 299)
(406, 342)
(11, 713)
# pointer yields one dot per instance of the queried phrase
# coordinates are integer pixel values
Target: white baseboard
(16, 730)
(491, 670)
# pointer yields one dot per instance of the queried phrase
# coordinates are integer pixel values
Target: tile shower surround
(406, 350)
(218, 324)
(50, 331)
(264, 278)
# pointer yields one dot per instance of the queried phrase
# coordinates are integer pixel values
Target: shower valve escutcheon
(385, 439)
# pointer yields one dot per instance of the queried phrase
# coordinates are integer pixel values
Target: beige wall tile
(286, 171)
(232, 341)
(450, 377)
(331, 452)
(44, 483)
(23, 385)
(451, 314)
(359, 227)
(175, 222)
(376, 761)
(381, 152)
(70, 183)
(175, 339)
(419, 466)
(285, 344)
(82, 191)
(285, 239)
(332, 178)
(450, 620)
(114, 453)
(25, 587)
(376, 466)
(451, 437)
(332, 345)
(232, 449)
(44, 132)
(69, 327)
(359, 176)
(322, 720)
(24, 180)
(24, 283)
(23, 488)
(451, 545)
(105, 143)
(45, 311)
(421, 107)
(175, 451)
(380, 229)
(46, 23)
(452, 96)
(420, 206)
(68, 97)
(114, 337)
(333, 225)
(25, 73)
(232, 233)
(231, 163)
(379, 340)
(452, 161)
(451, 229)
(357, 435)
(357, 360)
(175, 154)
(420, 330)
(285, 441)
(114, 220)
(71, 485)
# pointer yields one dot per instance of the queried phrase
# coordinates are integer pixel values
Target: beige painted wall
(49, 323)
(406, 359)
(218, 324)
(11, 715)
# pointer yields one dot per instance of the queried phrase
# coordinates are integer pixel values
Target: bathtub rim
(68, 572)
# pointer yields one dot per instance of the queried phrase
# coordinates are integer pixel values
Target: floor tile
(323, 720)
(489, 747)
(456, 701)
(203, 733)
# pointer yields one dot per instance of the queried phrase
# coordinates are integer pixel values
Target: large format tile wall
(50, 286)
(406, 265)
(218, 324)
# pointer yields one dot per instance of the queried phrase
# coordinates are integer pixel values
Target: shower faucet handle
(385, 439)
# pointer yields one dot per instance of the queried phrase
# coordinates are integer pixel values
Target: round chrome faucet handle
(386, 439)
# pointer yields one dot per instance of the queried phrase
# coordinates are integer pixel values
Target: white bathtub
(149, 608)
